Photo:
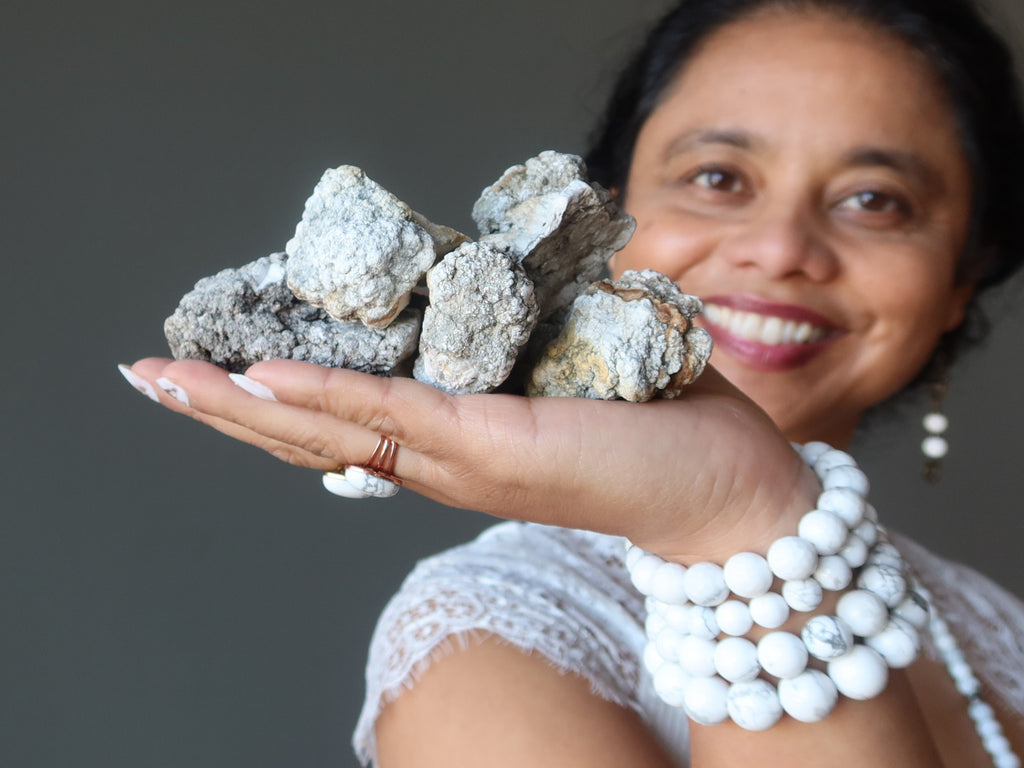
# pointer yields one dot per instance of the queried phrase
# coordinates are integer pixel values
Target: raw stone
(631, 339)
(482, 309)
(559, 225)
(241, 316)
(359, 251)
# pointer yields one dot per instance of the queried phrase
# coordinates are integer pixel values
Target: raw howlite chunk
(560, 226)
(241, 316)
(481, 312)
(359, 251)
(631, 339)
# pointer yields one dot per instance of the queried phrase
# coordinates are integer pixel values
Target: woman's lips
(765, 335)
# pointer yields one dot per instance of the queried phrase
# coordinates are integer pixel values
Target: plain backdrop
(170, 597)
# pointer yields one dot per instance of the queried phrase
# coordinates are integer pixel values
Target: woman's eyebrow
(729, 137)
(899, 160)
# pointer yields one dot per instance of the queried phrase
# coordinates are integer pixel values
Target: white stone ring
(375, 477)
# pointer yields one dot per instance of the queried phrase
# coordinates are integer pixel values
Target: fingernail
(139, 383)
(172, 389)
(252, 387)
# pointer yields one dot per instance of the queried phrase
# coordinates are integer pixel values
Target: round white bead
(867, 531)
(747, 574)
(884, 553)
(809, 697)
(653, 625)
(733, 617)
(668, 583)
(754, 705)
(697, 655)
(802, 594)
(336, 483)
(861, 674)
(642, 572)
(652, 659)
(701, 622)
(812, 451)
(782, 654)
(934, 447)
(666, 641)
(885, 581)
(936, 423)
(792, 558)
(913, 609)
(831, 459)
(705, 584)
(899, 644)
(372, 485)
(833, 573)
(736, 659)
(675, 615)
(705, 700)
(824, 529)
(864, 612)
(854, 551)
(844, 502)
(846, 477)
(633, 553)
(670, 683)
(827, 637)
(769, 611)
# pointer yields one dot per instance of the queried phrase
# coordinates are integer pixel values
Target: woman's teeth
(765, 329)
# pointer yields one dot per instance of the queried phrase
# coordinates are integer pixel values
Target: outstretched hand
(700, 477)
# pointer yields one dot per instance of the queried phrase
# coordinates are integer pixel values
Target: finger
(146, 376)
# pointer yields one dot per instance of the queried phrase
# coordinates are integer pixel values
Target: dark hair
(973, 63)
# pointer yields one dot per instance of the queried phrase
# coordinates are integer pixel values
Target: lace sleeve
(987, 620)
(559, 592)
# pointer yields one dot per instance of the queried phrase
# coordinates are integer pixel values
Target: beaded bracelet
(876, 625)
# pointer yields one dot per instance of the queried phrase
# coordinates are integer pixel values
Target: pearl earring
(935, 446)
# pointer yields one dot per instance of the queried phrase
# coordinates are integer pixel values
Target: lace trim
(566, 595)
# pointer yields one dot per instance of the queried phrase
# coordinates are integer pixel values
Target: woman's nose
(783, 244)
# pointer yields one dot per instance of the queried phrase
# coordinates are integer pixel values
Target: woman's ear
(960, 297)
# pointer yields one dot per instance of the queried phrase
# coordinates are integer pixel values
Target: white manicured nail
(139, 383)
(252, 387)
(172, 389)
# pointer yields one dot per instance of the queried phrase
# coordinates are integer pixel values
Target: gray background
(171, 597)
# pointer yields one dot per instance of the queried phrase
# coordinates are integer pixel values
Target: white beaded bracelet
(839, 548)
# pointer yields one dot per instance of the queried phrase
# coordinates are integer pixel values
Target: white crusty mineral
(359, 251)
(562, 228)
(631, 339)
(482, 310)
(241, 316)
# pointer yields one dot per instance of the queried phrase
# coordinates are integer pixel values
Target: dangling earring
(934, 446)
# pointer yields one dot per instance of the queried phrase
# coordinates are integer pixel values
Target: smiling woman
(838, 180)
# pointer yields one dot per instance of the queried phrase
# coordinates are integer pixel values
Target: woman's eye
(875, 202)
(718, 179)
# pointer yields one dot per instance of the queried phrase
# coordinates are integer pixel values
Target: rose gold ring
(382, 461)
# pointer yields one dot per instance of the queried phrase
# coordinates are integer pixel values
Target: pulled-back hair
(973, 64)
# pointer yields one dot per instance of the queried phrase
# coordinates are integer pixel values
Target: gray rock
(481, 312)
(632, 339)
(359, 251)
(560, 226)
(241, 316)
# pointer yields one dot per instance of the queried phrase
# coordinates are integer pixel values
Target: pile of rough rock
(517, 309)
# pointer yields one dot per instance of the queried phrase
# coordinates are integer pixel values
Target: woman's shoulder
(559, 592)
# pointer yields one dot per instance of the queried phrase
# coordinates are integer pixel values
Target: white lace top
(565, 594)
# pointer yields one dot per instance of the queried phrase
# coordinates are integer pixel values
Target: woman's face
(803, 175)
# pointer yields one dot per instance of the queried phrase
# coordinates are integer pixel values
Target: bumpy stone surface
(359, 251)
(560, 226)
(631, 339)
(481, 312)
(241, 316)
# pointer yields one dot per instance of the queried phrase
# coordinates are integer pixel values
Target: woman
(832, 178)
